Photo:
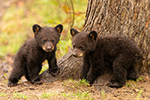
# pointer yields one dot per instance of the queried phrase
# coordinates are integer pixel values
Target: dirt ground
(64, 90)
(67, 89)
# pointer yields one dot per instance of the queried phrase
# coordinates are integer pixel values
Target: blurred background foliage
(19, 16)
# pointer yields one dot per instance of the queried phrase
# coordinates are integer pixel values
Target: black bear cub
(117, 54)
(28, 60)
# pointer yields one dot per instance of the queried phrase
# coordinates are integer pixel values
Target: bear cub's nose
(49, 48)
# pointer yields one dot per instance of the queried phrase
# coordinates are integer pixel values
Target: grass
(76, 90)
(2, 94)
(19, 95)
(63, 47)
(84, 82)
(103, 94)
(16, 23)
(48, 95)
(75, 84)
(140, 79)
(132, 84)
(77, 96)
(68, 95)
(73, 90)
(45, 66)
(139, 94)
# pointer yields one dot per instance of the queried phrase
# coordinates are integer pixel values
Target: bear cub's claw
(38, 82)
(55, 71)
(10, 84)
(114, 84)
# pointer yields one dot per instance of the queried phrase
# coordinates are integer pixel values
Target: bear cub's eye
(74, 46)
(44, 41)
(81, 47)
(52, 41)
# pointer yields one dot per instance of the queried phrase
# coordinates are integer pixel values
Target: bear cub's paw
(55, 71)
(114, 84)
(37, 81)
(10, 84)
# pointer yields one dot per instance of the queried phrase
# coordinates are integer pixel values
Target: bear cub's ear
(36, 28)
(93, 35)
(73, 31)
(59, 28)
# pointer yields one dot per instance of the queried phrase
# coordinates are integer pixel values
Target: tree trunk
(69, 68)
(129, 18)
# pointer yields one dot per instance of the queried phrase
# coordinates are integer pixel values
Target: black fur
(118, 54)
(28, 60)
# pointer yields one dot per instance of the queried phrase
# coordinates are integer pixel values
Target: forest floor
(69, 89)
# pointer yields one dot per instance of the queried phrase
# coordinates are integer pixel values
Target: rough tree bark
(130, 18)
